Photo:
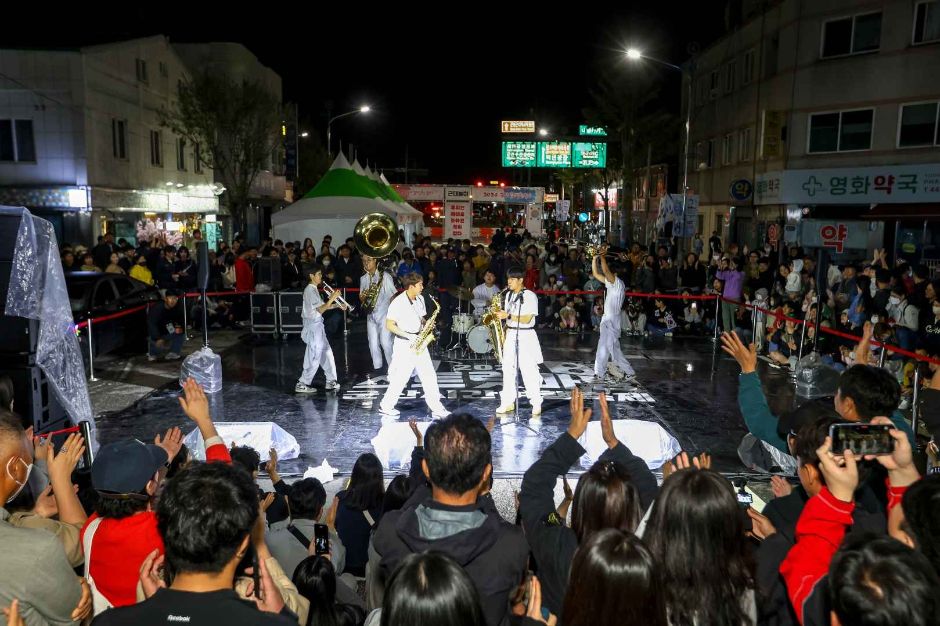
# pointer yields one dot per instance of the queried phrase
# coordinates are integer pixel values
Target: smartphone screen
(321, 538)
(861, 439)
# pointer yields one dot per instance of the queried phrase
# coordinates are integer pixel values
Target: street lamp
(305, 134)
(329, 145)
(635, 54)
(543, 132)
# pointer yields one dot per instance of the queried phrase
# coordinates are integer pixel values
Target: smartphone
(321, 539)
(861, 438)
(745, 499)
(87, 456)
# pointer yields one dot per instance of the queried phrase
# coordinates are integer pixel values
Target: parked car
(95, 295)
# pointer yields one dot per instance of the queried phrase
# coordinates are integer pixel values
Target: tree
(238, 125)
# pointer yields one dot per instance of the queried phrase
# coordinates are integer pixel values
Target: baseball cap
(125, 467)
(791, 421)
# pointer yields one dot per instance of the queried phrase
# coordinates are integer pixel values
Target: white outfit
(380, 338)
(408, 315)
(608, 346)
(523, 337)
(482, 297)
(318, 353)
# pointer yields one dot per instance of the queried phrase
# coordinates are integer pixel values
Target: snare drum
(463, 322)
(479, 339)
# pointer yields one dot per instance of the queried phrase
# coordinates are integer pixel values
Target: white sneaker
(302, 388)
(440, 414)
(536, 410)
(503, 410)
(332, 385)
(172, 356)
(392, 412)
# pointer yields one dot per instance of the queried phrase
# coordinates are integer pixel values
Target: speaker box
(268, 272)
(33, 399)
(202, 261)
(18, 336)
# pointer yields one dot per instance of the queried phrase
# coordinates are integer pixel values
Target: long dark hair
(431, 589)
(696, 535)
(614, 580)
(315, 579)
(367, 485)
(605, 498)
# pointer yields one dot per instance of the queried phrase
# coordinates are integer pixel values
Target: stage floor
(683, 384)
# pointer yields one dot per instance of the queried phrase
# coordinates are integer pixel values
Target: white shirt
(406, 314)
(793, 281)
(312, 301)
(386, 292)
(530, 306)
(482, 296)
(613, 301)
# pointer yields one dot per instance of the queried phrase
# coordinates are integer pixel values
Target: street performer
(376, 290)
(520, 308)
(608, 346)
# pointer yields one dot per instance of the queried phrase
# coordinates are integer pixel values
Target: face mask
(552, 259)
(326, 262)
(894, 300)
(29, 470)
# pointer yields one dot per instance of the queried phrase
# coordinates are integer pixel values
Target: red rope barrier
(73, 429)
(105, 318)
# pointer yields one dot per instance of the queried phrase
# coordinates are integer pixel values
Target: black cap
(125, 467)
(790, 422)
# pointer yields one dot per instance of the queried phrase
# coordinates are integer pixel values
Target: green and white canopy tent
(343, 196)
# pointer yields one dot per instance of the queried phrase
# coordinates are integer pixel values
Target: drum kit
(471, 338)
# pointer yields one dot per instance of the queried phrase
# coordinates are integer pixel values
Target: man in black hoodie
(454, 514)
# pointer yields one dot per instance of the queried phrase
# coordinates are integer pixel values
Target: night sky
(439, 80)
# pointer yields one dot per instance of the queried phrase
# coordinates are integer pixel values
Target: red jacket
(819, 533)
(121, 545)
(244, 277)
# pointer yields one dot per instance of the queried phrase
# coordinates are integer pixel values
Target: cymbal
(461, 293)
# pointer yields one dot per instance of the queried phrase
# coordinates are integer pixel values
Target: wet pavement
(684, 385)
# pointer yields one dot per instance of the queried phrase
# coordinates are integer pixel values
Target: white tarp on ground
(37, 291)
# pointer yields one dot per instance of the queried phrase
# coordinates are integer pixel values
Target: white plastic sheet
(205, 367)
(37, 291)
(815, 379)
(262, 436)
(647, 440)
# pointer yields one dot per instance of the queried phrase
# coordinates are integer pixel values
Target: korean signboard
(589, 155)
(836, 236)
(592, 131)
(458, 220)
(420, 193)
(887, 184)
(554, 154)
(772, 134)
(517, 126)
(455, 194)
(518, 154)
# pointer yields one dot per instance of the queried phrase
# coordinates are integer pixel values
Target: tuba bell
(376, 235)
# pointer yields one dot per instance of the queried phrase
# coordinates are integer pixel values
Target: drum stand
(460, 343)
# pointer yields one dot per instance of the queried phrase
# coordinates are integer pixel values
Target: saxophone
(426, 335)
(371, 296)
(495, 325)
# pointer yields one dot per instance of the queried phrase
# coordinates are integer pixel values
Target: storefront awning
(925, 211)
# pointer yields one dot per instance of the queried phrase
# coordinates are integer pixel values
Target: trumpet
(339, 299)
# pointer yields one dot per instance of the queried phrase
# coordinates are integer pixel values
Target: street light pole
(329, 124)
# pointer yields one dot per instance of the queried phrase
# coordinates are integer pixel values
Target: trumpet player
(376, 290)
(608, 346)
(405, 320)
(318, 353)
(520, 308)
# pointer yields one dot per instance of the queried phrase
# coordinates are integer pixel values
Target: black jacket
(930, 411)
(554, 544)
(159, 317)
(493, 552)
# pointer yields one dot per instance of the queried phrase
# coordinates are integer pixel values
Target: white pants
(608, 348)
(530, 356)
(404, 362)
(380, 340)
(318, 353)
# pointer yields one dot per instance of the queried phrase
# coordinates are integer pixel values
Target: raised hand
(840, 472)
(607, 424)
(171, 442)
(746, 356)
(580, 416)
(419, 438)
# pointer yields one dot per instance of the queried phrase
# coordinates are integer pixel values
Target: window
(927, 22)
(163, 70)
(715, 84)
(141, 70)
(747, 67)
(730, 70)
(16, 141)
(704, 154)
(919, 125)
(842, 131)
(123, 285)
(104, 293)
(727, 149)
(197, 158)
(119, 138)
(746, 142)
(181, 154)
(851, 35)
(156, 148)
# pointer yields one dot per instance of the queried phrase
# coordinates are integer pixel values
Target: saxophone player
(405, 319)
(376, 289)
(520, 308)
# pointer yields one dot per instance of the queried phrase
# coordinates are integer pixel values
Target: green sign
(518, 154)
(554, 154)
(589, 155)
(595, 131)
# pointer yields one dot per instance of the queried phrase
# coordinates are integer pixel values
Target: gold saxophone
(426, 335)
(371, 296)
(495, 325)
